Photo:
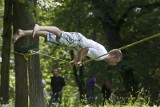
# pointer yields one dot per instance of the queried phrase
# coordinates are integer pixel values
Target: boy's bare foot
(35, 29)
(17, 35)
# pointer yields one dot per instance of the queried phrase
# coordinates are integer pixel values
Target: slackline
(33, 52)
(126, 46)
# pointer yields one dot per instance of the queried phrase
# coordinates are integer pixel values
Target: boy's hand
(77, 64)
(71, 62)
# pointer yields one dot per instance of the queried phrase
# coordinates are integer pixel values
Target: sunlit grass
(71, 99)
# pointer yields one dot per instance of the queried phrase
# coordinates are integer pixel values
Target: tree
(6, 48)
(27, 68)
(114, 24)
(112, 21)
(78, 74)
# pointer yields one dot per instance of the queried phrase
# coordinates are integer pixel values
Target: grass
(142, 100)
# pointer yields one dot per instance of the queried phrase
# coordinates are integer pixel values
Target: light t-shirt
(96, 50)
(77, 41)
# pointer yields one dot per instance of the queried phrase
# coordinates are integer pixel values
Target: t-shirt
(57, 83)
(77, 41)
(95, 50)
(90, 83)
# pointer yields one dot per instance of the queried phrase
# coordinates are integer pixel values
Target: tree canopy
(113, 23)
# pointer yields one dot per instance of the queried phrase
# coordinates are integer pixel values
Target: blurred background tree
(113, 24)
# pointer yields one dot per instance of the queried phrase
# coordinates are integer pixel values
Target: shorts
(51, 39)
(72, 39)
(77, 41)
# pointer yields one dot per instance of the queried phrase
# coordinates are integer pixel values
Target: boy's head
(114, 56)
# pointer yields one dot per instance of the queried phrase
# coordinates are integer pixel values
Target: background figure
(57, 85)
(106, 91)
(90, 84)
(43, 83)
(43, 86)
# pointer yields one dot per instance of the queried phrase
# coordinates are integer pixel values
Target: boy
(75, 40)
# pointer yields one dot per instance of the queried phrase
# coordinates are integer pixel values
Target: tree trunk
(130, 82)
(35, 81)
(81, 84)
(6, 46)
(27, 68)
(112, 34)
(79, 79)
(21, 82)
(114, 42)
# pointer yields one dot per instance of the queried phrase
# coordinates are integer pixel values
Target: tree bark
(79, 79)
(112, 30)
(131, 84)
(6, 47)
(35, 81)
(27, 68)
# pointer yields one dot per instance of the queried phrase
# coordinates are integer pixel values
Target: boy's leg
(20, 33)
(51, 29)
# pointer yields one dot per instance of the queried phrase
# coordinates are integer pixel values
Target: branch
(126, 13)
(100, 5)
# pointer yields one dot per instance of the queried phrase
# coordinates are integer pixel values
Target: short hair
(116, 52)
(55, 69)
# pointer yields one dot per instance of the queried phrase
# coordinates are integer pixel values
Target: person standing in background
(57, 86)
(90, 84)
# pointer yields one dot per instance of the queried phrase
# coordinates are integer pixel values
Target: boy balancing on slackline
(74, 40)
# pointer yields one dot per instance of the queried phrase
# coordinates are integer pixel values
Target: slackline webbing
(126, 46)
(33, 52)
(26, 48)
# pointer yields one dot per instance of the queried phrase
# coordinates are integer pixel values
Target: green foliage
(22, 1)
(1, 2)
(137, 27)
(1, 19)
(82, 16)
(70, 99)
